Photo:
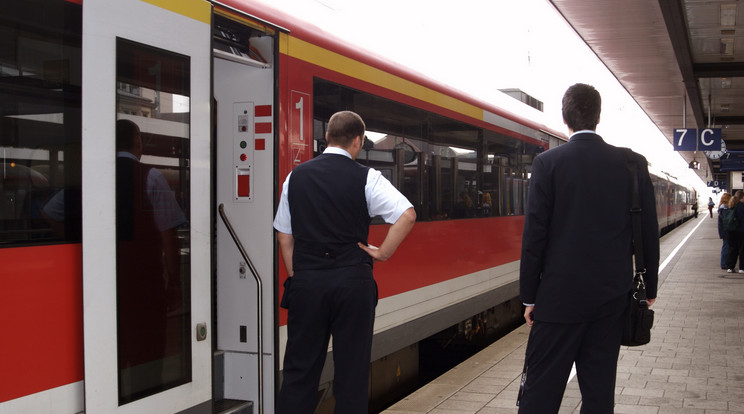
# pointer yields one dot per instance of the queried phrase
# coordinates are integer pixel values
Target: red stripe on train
(41, 316)
(438, 251)
(442, 250)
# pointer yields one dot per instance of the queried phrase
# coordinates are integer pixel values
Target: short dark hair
(126, 131)
(581, 107)
(343, 127)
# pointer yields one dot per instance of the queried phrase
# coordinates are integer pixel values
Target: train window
(40, 122)
(448, 169)
(152, 228)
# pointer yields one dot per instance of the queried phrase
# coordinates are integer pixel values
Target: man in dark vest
(576, 269)
(323, 220)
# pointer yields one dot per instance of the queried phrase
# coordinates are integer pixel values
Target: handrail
(259, 304)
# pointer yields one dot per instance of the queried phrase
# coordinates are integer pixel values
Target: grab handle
(259, 304)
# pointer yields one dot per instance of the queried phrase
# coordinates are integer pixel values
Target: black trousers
(338, 302)
(553, 348)
(736, 249)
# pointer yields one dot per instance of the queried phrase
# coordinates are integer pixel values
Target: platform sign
(710, 139)
(688, 139)
(733, 161)
(685, 139)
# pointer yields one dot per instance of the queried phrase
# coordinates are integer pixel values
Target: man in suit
(323, 224)
(576, 267)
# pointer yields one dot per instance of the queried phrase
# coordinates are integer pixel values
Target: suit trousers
(553, 348)
(735, 249)
(323, 303)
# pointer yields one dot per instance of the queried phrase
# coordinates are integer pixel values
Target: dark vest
(140, 281)
(329, 213)
(139, 241)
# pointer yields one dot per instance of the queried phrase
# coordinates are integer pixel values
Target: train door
(244, 101)
(146, 214)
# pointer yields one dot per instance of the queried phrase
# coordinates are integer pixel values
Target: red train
(228, 97)
(674, 201)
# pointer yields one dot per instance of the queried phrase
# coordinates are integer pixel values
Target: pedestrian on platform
(711, 204)
(323, 220)
(576, 267)
(723, 210)
(736, 236)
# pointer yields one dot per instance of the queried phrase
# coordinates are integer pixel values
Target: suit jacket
(576, 262)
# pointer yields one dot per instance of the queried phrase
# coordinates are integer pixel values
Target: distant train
(229, 96)
(674, 201)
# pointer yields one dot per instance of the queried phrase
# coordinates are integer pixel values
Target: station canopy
(681, 60)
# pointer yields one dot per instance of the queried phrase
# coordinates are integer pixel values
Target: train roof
(666, 176)
(507, 107)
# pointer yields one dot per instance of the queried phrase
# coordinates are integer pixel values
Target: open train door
(244, 77)
(146, 216)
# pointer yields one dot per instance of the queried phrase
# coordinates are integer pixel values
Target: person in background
(736, 237)
(486, 203)
(576, 267)
(322, 224)
(464, 206)
(723, 210)
(711, 204)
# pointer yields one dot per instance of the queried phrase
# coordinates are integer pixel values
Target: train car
(228, 97)
(674, 201)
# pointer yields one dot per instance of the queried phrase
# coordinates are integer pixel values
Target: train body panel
(48, 290)
(452, 249)
(226, 110)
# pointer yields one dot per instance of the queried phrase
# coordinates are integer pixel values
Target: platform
(693, 364)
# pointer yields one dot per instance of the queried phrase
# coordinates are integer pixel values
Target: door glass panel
(152, 228)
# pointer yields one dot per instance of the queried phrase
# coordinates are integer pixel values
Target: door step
(232, 407)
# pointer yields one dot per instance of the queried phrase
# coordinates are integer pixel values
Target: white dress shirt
(383, 199)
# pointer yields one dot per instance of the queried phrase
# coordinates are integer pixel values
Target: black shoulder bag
(638, 317)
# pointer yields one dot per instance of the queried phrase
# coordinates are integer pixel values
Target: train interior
(448, 169)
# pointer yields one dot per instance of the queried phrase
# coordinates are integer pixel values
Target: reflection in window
(448, 169)
(444, 182)
(152, 230)
(40, 122)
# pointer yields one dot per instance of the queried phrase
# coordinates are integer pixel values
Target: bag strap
(635, 212)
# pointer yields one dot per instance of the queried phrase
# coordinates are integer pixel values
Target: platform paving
(694, 363)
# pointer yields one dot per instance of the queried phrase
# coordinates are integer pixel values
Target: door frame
(182, 27)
